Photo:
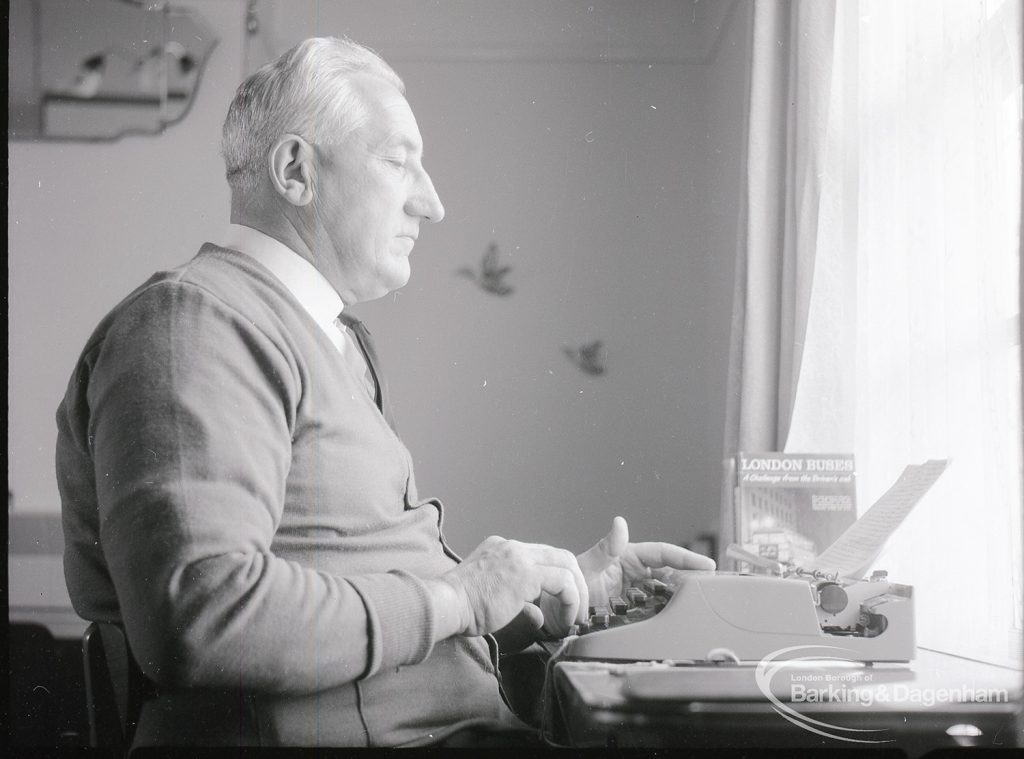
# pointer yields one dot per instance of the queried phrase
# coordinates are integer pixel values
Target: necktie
(348, 344)
(362, 337)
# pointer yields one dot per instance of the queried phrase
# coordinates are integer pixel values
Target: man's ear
(291, 169)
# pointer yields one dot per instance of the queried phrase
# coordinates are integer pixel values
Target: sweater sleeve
(191, 417)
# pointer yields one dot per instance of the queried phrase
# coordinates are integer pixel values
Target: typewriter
(726, 616)
(827, 610)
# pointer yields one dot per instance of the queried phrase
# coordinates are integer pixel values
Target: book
(789, 507)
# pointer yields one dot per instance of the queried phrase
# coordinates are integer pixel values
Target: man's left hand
(613, 563)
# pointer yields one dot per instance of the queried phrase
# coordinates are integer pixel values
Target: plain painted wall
(609, 183)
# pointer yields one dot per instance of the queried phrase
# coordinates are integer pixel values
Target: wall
(86, 224)
(725, 150)
(597, 147)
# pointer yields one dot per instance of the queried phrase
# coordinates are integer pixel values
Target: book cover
(789, 507)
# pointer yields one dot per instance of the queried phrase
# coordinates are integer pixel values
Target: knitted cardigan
(233, 496)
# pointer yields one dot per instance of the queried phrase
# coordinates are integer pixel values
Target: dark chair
(115, 687)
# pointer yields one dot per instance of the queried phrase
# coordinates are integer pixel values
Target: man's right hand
(502, 578)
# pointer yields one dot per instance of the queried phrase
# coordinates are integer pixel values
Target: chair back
(115, 687)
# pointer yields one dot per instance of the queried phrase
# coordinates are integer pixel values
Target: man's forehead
(396, 128)
(391, 121)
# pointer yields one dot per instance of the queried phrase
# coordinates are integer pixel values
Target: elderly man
(233, 492)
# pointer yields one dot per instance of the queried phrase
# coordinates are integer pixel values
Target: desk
(655, 705)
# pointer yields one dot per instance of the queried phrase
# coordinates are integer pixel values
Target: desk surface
(904, 706)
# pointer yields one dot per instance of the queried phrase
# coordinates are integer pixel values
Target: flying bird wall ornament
(146, 68)
(89, 77)
(490, 276)
(589, 358)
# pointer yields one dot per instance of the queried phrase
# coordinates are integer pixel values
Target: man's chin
(395, 281)
(401, 274)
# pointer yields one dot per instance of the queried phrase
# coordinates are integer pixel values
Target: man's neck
(284, 234)
(287, 226)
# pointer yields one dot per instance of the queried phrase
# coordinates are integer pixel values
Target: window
(915, 307)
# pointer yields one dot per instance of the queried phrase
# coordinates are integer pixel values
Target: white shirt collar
(302, 279)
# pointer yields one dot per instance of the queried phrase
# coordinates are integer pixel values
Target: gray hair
(307, 91)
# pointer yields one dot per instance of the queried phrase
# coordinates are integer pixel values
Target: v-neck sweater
(233, 497)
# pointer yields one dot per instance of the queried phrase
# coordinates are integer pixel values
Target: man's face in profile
(372, 194)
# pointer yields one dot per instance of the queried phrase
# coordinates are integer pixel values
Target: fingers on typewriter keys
(637, 603)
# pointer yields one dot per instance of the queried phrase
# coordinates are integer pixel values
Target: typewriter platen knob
(832, 598)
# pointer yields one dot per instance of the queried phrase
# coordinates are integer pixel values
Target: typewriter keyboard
(639, 602)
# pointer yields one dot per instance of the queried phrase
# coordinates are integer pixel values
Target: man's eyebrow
(403, 140)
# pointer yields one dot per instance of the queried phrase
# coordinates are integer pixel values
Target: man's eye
(398, 163)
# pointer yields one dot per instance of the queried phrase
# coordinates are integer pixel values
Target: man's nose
(424, 201)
